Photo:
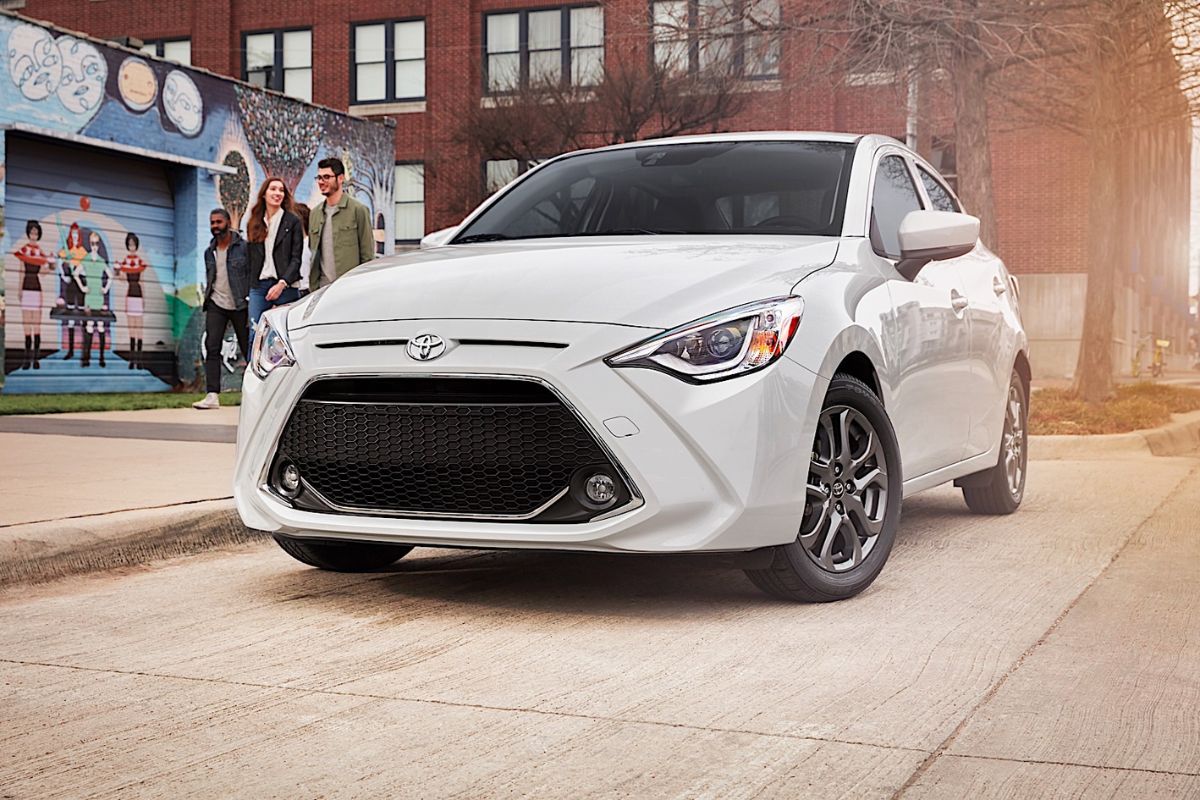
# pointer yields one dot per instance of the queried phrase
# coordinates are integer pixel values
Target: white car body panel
(718, 467)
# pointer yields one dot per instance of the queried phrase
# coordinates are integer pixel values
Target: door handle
(998, 285)
(958, 302)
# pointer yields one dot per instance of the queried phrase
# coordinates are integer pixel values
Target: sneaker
(211, 400)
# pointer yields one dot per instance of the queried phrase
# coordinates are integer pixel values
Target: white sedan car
(751, 344)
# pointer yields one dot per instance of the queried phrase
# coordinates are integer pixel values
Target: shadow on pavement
(586, 584)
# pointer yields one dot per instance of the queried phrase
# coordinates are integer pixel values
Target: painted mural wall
(103, 258)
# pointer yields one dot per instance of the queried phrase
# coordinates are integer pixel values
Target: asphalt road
(1050, 653)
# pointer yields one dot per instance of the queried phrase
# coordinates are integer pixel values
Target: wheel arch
(1023, 368)
(859, 365)
(856, 352)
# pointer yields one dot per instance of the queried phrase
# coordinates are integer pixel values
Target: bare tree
(1128, 89)
(969, 42)
(632, 97)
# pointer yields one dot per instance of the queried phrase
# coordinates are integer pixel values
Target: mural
(104, 273)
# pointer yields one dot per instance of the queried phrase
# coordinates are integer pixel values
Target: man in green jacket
(339, 231)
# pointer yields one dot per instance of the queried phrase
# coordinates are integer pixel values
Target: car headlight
(271, 349)
(722, 345)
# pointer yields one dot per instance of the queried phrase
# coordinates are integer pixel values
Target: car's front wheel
(852, 502)
(342, 556)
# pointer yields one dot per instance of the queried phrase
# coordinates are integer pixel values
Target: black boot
(102, 337)
(37, 350)
(28, 353)
(141, 362)
(86, 359)
(70, 343)
(132, 352)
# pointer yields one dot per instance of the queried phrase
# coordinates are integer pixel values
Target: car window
(941, 199)
(794, 188)
(893, 197)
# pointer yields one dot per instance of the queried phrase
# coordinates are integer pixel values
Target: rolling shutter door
(98, 275)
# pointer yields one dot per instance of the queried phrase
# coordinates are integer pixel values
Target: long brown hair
(256, 229)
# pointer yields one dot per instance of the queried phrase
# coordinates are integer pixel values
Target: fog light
(601, 489)
(289, 480)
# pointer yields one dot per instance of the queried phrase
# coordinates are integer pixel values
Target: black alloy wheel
(1000, 489)
(852, 502)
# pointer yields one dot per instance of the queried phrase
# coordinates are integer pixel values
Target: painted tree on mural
(234, 190)
(366, 150)
(284, 134)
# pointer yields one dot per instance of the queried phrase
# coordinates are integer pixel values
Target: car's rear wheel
(999, 490)
(852, 503)
(342, 556)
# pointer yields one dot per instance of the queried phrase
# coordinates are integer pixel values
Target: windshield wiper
(481, 237)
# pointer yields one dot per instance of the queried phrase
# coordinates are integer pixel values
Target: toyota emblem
(426, 347)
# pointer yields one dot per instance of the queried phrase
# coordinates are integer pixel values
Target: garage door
(89, 256)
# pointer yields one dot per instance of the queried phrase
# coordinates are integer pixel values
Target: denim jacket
(237, 263)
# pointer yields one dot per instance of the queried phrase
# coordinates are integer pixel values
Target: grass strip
(130, 401)
(1132, 407)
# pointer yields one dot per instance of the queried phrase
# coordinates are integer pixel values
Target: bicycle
(1159, 358)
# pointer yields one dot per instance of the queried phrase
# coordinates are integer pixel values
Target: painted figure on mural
(33, 260)
(132, 266)
(69, 308)
(95, 279)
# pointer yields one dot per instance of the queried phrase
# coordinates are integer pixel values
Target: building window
(389, 62)
(943, 158)
(736, 37)
(177, 50)
(559, 46)
(279, 60)
(409, 197)
(501, 172)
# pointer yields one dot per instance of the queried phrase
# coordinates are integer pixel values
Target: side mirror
(934, 236)
(438, 238)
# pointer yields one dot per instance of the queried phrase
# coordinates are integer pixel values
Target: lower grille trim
(633, 496)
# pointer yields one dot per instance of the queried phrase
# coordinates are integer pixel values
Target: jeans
(215, 320)
(259, 302)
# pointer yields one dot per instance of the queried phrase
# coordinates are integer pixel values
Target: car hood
(652, 282)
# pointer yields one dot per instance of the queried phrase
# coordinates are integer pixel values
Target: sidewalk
(70, 465)
(94, 490)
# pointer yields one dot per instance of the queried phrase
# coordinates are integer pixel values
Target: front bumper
(717, 467)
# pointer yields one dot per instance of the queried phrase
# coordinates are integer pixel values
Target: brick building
(421, 63)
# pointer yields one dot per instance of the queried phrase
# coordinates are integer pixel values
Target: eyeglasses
(326, 177)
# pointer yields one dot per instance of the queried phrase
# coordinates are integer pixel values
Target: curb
(1180, 437)
(44, 551)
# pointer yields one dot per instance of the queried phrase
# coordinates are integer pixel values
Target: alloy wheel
(847, 492)
(1014, 441)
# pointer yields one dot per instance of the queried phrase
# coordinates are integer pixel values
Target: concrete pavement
(95, 490)
(1045, 654)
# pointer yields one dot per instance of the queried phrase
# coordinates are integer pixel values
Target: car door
(986, 285)
(927, 336)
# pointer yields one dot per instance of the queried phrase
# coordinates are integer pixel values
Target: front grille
(437, 446)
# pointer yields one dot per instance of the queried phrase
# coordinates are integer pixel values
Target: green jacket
(353, 242)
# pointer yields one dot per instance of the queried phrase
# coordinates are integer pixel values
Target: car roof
(870, 139)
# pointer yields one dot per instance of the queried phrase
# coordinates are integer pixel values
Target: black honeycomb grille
(437, 446)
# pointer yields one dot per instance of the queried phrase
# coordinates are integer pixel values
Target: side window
(942, 201)
(893, 197)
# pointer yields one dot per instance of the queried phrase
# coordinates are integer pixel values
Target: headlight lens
(722, 345)
(271, 349)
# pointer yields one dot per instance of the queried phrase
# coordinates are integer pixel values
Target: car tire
(840, 549)
(1000, 489)
(343, 556)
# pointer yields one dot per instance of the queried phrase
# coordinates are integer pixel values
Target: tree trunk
(972, 145)
(1108, 212)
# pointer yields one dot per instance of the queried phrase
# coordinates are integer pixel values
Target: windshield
(704, 188)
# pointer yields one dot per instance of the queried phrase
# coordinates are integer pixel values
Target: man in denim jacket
(227, 271)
